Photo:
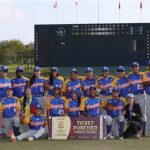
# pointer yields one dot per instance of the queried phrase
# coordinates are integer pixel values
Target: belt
(138, 93)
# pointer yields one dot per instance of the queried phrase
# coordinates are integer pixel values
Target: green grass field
(43, 144)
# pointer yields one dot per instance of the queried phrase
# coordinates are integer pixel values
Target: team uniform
(73, 107)
(56, 81)
(114, 109)
(86, 84)
(91, 106)
(56, 106)
(19, 85)
(10, 107)
(4, 83)
(69, 85)
(107, 83)
(36, 127)
(38, 91)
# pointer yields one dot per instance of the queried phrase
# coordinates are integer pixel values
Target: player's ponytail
(51, 78)
(24, 101)
(32, 79)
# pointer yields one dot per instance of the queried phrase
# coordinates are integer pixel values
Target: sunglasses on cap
(120, 70)
(5, 71)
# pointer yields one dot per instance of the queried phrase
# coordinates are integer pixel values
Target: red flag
(141, 5)
(119, 5)
(55, 5)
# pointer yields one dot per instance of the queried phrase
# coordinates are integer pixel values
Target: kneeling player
(36, 127)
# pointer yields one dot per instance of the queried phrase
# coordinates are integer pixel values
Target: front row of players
(123, 118)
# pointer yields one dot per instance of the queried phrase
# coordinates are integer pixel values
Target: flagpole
(77, 10)
(141, 7)
(119, 10)
(98, 11)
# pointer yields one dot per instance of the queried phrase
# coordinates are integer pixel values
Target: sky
(18, 17)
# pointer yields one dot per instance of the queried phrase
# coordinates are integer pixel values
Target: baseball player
(88, 81)
(105, 84)
(4, 81)
(9, 112)
(38, 84)
(121, 81)
(136, 87)
(72, 83)
(56, 104)
(19, 83)
(54, 79)
(146, 84)
(114, 106)
(73, 104)
(36, 129)
(90, 106)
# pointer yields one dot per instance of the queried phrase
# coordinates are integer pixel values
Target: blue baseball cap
(38, 106)
(121, 68)
(37, 68)
(4, 68)
(89, 69)
(74, 71)
(9, 88)
(92, 88)
(57, 87)
(104, 69)
(54, 69)
(115, 89)
(19, 68)
(135, 64)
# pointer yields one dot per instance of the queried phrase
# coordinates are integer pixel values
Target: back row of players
(76, 95)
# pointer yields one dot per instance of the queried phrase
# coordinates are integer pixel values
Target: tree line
(15, 52)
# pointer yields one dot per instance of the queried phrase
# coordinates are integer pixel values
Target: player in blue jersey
(90, 106)
(4, 81)
(19, 83)
(73, 104)
(88, 81)
(54, 79)
(105, 84)
(136, 79)
(121, 81)
(56, 104)
(9, 112)
(36, 125)
(38, 85)
(146, 84)
(114, 106)
(72, 83)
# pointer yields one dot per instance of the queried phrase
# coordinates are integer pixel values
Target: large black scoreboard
(68, 45)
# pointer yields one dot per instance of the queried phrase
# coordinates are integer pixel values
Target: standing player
(9, 112)
(56, 104)
(121, 81)
(19, 83)
(114, 106)
(88, 81)
(72, 83)
(36, 129)
(54, 79)
(4, 81)
(146, 84)
(105, 84)
(136, 87)
(38, 84)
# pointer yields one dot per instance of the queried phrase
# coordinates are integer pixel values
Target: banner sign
(77, 127)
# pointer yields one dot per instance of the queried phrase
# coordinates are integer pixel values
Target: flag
(119, 5)
(55, 5)
(141, 5)
(76, 3)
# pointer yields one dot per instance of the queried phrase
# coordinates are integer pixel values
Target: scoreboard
(68, 45)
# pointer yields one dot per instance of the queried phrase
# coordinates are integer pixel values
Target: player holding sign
(36, 124)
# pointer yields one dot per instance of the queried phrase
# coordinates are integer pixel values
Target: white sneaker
(120, 138)
(30, 139)
(109, 136)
